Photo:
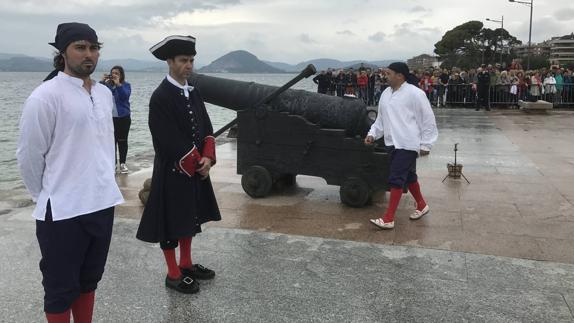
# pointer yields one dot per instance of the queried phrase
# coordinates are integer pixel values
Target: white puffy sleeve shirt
(405, 119)
(66, 148)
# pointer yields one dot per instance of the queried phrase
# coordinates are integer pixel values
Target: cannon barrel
(327, 111)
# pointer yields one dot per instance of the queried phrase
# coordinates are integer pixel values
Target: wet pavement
(520, 202)
(499, 249)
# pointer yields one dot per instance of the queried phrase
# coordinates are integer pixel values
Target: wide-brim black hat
(172, 46)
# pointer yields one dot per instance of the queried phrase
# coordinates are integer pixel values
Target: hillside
(325, 63)
(239, 61)
(23, 63)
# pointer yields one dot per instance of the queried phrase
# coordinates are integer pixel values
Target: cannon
(283, 133)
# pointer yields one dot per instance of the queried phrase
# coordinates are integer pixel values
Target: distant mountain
(239, 61)
(282, 66)
(325, 63)
(23, 63)
(356, 66)
(7, 55)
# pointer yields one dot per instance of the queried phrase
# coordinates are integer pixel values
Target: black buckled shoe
(183, 284)
(198, 272)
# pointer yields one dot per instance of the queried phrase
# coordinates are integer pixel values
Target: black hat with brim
(172, 46)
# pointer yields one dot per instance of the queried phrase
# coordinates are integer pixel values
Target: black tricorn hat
(172, 46)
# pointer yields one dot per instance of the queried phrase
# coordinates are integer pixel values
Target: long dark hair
(58, 64)
(122, 73)
(59, 61)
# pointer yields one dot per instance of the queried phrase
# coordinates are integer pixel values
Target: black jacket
(177, 204)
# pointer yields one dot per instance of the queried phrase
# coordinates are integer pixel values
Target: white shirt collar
(400, 87)
(185, 87)
(74, 80)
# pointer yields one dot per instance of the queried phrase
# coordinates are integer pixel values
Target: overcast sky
(288, 31)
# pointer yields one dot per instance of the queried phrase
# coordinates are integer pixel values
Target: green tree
(495, 41)
(470, 44)
(460, 45)
(537, 62)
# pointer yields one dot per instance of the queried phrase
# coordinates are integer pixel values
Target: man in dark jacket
(181, 196)
(323, 82)
(482, 85)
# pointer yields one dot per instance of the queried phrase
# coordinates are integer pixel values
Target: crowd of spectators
(506, 85)
(364, 83)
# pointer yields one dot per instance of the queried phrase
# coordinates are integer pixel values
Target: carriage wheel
(257, 181)
(355, 192)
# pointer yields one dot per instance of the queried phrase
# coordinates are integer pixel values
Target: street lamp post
(501, 21)
(531, 5)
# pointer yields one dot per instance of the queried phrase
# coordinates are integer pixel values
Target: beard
(83, 70)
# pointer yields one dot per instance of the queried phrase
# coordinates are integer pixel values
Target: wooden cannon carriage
(283, 133)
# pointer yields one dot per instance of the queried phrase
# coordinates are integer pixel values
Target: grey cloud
(413, 28)
(377, 37)
(255, 40)
(138, 14)
(109, 21)
(542, 29)
(132, 46)
(420, 9)
(306, 39)
(546, 28)
(345, 33)
(566, 14)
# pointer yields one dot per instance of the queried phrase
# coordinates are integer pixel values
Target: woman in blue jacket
(121, 90)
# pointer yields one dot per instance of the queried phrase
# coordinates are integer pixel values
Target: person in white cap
(181, 197)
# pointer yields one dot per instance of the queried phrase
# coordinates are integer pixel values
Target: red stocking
(396, 194)
(185, 253)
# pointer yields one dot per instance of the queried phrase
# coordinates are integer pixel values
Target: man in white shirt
(66, 159)
(406, 121)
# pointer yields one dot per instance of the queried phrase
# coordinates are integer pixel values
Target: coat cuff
(209, 148)
(188, 163)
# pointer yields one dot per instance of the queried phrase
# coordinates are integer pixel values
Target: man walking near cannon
(66, 158)
(406, 121)
(181, 197)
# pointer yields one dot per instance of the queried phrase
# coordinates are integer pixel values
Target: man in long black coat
(181, 197)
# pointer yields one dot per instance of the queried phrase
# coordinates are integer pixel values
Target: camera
(109, 79)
